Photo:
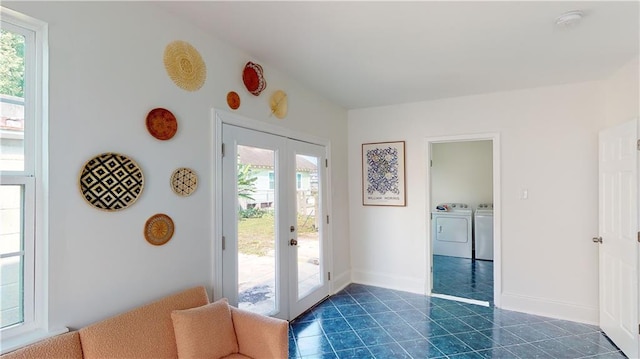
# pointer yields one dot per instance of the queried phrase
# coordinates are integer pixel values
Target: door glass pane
(12, 101)
(256, 230)
(307, 209)
(11, 267)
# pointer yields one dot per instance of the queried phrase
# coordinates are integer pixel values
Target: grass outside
(255, 235)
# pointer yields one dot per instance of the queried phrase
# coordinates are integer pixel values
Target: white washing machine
(452, 230)
(483, 231)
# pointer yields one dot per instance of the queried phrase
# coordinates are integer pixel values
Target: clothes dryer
(483, 231)
(452, 230)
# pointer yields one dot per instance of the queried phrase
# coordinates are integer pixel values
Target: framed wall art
(383, 174)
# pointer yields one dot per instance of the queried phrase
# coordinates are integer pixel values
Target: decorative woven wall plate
(159, 229)
(233, 100)
(278, 104)
(184, 65)
(162, 124)
(184, 181)
(111, 181)
(253, 78)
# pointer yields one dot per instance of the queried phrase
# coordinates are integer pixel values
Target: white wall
(106, 73)
(622, 94)
(548, 145)
(462, 172)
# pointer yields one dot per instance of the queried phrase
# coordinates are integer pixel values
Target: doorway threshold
(460, 299)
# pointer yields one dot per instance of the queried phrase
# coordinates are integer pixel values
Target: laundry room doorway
(463, 218)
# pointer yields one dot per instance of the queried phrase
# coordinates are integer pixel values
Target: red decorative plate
(253, 78)
(161, 123)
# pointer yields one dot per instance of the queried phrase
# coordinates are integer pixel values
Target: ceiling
(363, 54)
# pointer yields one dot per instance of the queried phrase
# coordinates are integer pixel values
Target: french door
(273, 222)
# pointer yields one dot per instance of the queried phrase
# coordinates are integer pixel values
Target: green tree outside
(11, 64)
(246, 181)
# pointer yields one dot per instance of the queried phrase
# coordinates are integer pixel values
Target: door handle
(293, 242)
(597, 240)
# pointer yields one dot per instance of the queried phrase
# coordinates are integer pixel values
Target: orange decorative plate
(159, 229)
(161, 123)
(233, 100)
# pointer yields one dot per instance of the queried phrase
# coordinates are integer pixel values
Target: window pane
(10, 218)
(11, 291)
(12, 69)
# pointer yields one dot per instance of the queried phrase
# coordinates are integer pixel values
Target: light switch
(524, 194)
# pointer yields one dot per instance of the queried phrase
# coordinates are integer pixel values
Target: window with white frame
(22, 152)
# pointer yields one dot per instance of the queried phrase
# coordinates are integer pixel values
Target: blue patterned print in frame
(383, 174)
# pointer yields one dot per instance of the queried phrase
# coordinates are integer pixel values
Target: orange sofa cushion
(205, 332)
(259, 336)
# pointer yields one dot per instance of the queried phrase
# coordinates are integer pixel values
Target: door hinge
(638, 145)
(326, 162)
(329, 275)
(224, 243)
(223, 150)
(638, 237)
(327, 219)
(430, 163)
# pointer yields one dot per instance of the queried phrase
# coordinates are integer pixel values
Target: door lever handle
(597, 240)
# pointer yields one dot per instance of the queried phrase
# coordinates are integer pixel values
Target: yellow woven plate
(184, 65)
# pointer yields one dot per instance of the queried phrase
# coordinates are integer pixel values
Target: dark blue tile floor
(371, 322)
(463, 277)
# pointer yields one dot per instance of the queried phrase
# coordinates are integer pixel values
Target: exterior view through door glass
(309, 251)
(273, 232)
(256, 229)
(309, 274)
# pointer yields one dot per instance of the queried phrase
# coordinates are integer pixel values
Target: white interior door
(274, 234)
(618, 231)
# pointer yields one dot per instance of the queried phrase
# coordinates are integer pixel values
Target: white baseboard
(407, 284)
(550, 308)
(340, 281)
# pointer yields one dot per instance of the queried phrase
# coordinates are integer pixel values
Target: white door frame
(218, 117)
(497, 208)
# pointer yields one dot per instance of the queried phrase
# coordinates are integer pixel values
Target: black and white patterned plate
(111, 181)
